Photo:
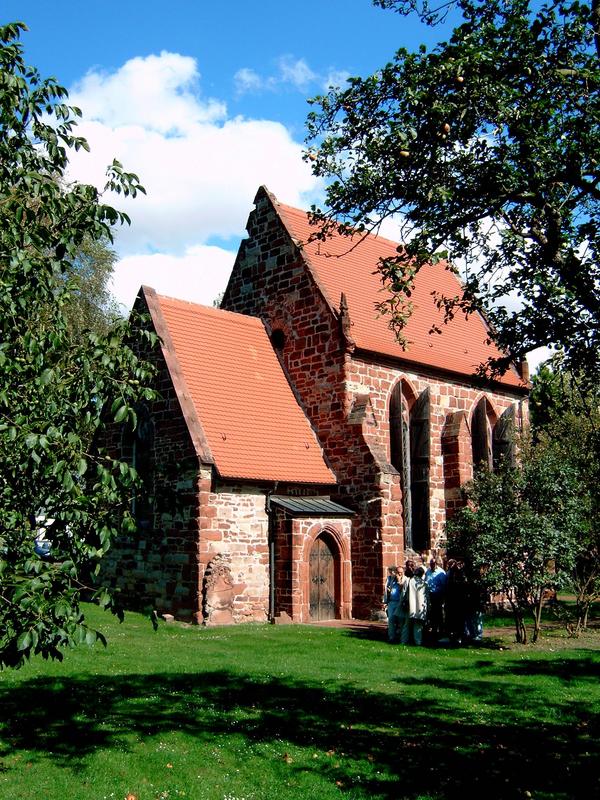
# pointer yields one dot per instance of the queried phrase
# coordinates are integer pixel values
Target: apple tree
(486, 149)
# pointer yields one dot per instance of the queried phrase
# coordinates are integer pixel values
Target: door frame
(337, 538)
(326, 541)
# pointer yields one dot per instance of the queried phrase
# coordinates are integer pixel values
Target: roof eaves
(521, 388)
(188, 408)
(311, 506)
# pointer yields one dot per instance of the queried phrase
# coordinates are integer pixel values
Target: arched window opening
(419, 463)
(409, 454)
(481, 436)
(278, 339)
(503, 440)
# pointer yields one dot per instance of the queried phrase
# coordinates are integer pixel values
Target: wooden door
(322, 582)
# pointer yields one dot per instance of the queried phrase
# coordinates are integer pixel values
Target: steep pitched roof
(460, 347)
(235, 396)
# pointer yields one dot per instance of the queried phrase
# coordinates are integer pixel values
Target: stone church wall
(158, 565)
(235, 530)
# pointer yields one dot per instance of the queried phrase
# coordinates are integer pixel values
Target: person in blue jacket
(391, 600)
(436, 580)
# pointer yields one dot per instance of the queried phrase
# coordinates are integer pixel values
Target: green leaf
(46, 376)
(121, 414)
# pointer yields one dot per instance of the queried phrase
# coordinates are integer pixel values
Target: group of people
(432, 605)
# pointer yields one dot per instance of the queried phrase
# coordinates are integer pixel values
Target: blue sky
(205, 101)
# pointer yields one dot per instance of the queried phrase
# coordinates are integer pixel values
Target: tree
(519, 532)
(486, 148)
(92, 306)
(566, 423)
(57, 390)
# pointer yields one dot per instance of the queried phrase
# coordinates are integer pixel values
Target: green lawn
(269, 712)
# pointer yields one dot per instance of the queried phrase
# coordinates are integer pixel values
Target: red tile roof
(460, 348)
(247, 411)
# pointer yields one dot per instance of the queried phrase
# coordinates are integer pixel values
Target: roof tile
(252, 421)
(462, 344)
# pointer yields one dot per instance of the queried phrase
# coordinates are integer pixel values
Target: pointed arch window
(409, 453)
(481, 435)
(492, 441)
(503, 440)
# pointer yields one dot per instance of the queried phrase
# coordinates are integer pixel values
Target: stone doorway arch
(324, 583)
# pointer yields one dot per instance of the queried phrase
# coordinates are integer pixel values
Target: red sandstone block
(211, 536)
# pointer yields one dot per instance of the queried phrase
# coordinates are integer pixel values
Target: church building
(297, 449)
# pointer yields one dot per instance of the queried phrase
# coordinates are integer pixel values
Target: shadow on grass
(414, 747)
(377, 633)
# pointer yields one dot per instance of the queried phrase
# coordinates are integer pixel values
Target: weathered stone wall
(158, 566)
(235, 527)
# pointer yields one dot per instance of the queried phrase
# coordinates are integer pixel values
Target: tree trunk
(537, 617)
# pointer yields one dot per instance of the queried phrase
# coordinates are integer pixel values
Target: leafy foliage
(567, 423)
(53, 384)
(487, 148)
(519, 532)
(92, 306)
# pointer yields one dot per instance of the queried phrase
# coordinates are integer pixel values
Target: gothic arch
(482, 420)
(339, 546)
(409, 426)
(492, 434)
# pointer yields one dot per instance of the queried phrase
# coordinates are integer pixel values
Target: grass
(283, 713)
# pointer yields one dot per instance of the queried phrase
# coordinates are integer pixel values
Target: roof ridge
(369, 234)
(210, 309)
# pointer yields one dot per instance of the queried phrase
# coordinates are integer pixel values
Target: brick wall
(158, 566)
(452, 402)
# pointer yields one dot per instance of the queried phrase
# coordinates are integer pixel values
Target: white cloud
(201, 169)
(296, 71)
(247, 80)
(199, 275)
(158, 93)
(335, 79)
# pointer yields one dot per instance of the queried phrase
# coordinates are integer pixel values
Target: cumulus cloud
(158, 93)
(200, 168)
(199, 275)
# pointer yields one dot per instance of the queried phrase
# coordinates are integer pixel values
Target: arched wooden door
(322, 581)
